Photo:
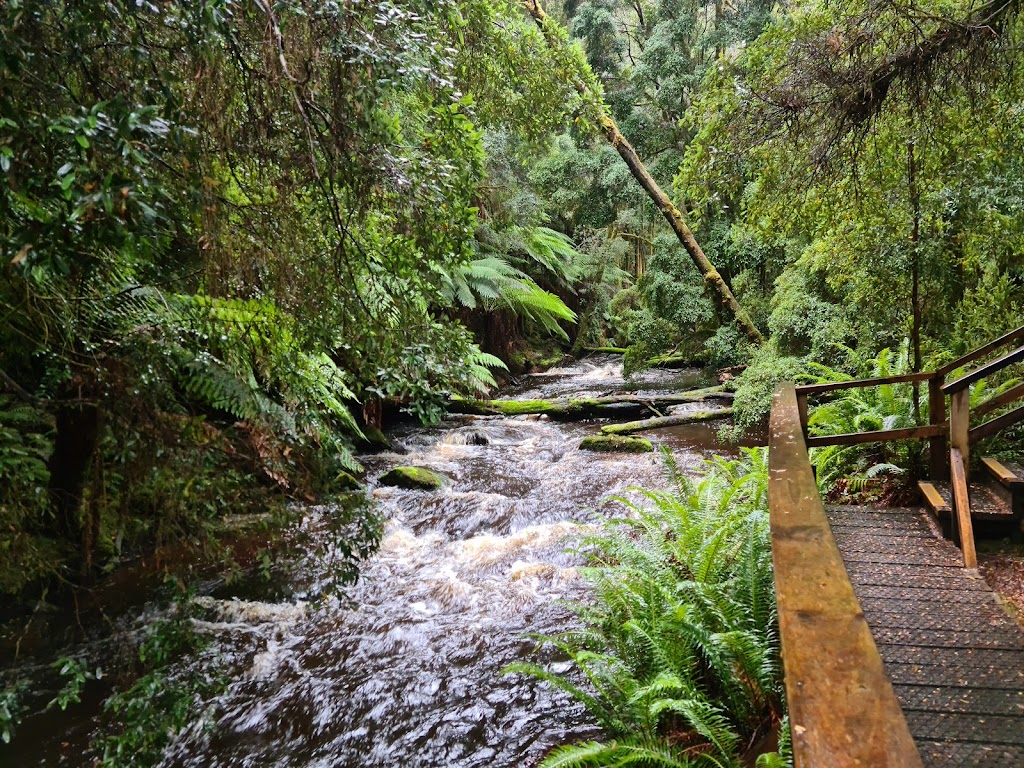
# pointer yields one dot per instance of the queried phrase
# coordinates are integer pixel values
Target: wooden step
(986, 504)
(1009, 474)
(933, 499)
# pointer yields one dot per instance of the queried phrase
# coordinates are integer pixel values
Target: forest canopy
(235, 234)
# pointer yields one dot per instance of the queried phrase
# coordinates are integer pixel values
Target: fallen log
(659, 422)
(583, 407)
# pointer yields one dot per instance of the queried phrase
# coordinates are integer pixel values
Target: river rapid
(404, 667)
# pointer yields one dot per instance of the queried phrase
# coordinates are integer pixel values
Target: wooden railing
(842, 709)
(962, 436)
(935, 431)
(953, 437)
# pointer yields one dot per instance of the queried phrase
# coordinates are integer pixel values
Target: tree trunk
(915, 272)
(660, 422)
(584, 407)
(78, 435)
(712, 279)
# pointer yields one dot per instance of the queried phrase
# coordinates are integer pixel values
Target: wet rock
(413, 478)
(472, 436)
(616, 444)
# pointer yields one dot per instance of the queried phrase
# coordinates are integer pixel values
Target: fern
(493, 282)
(889, 406)
(681, 631)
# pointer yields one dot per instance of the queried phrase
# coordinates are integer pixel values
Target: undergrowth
(677, 655)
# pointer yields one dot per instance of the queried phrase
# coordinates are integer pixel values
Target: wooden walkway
(955, 657)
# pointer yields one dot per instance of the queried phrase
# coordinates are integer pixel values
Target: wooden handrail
(835, 386)
(878, 436)
(1005, 340)
(984, 371)
(997, 424)
(842, 709)
(962, 507)
(998, 401)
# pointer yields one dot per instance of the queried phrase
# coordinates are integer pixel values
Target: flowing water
(406, 669)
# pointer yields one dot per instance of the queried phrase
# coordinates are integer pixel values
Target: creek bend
(405, 671)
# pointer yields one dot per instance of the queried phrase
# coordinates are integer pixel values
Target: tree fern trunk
(75, 444)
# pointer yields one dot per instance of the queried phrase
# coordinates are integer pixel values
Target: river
(404, 668)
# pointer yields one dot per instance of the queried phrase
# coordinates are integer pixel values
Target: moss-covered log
(583, 407)
(659, 422)
(616, 444)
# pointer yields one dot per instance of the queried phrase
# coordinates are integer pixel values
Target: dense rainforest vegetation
(239, 237)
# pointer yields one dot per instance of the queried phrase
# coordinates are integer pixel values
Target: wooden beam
(842, 709)
(879, 436)
(962, 507)
(960, 425)
(934, 498)
(818, 389)
(1003, 398)
(660, 422)
(938, 446)
(985, 371)
(1005, 340)
(997, 424)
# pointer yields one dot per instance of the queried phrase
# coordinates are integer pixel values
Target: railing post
(938, 448)
(960, 426)
(801, 407)
(962, 513)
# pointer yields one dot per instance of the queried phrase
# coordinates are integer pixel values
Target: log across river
(405, 670)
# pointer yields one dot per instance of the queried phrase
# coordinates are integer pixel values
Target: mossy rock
(374, 438)
(412, 478)
(346, 481)
(616, 444)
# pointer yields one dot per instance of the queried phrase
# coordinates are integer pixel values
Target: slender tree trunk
(915, 270)
(719, 46)
(712, 279)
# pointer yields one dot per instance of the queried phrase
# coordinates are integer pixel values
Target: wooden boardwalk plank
(955, 657)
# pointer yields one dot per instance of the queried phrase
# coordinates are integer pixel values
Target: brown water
(406, 670)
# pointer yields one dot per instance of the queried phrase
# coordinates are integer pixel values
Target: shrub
(755, 386)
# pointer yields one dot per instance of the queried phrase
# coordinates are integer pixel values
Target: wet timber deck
(955, 657)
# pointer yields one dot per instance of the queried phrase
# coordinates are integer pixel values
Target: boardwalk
(956, 659)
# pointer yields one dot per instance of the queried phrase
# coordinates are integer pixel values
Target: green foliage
(726, 347)
(145, 716)
(889, 406)
(844, 209)
(76, 674)
(754, 388)
(677, 658)
(25, 446)
(225, 289)
(988, 310)
(11, 709)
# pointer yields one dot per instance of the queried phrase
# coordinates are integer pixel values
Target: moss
(375, 438)
(413, 478)
(519, 407)
(346, 481)
(616, 444)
